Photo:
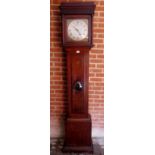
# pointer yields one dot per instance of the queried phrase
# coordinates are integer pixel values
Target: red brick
(96, 70)
(98, 19)
(100, 25)
(99, 8)
(100, 35)
(98, 40)
(99, 30)
(96, 61)
(101, 13)
(97, 51)
(100, 46)
(95, 79)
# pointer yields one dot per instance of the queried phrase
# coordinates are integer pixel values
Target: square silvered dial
(77, 30)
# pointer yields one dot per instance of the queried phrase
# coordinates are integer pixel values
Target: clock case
(78, 124)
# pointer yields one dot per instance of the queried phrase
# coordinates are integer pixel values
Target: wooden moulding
(77, 8)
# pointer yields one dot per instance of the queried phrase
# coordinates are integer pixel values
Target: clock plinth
(77, 41)
(78, 135)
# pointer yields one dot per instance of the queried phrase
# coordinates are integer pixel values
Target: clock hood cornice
(79, 8)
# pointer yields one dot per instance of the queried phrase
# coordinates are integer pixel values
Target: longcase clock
(77, 42)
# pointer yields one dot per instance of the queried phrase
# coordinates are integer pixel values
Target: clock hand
(77, 30)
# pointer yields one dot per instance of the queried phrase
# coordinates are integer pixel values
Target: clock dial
(77, 29)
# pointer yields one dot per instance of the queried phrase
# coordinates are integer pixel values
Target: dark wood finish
(77, 69)
(78, 135)
(77, 8)
(78, 121)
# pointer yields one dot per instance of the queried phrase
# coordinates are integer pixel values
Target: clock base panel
(78, 135)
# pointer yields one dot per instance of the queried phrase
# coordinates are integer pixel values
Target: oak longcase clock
(77, 41)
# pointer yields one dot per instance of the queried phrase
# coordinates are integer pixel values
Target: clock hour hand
(77, 30)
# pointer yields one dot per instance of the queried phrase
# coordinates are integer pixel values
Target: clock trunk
(78, 122)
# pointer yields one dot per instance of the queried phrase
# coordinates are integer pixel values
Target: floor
(97, 151)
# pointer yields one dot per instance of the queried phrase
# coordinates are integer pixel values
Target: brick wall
(58, 81)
